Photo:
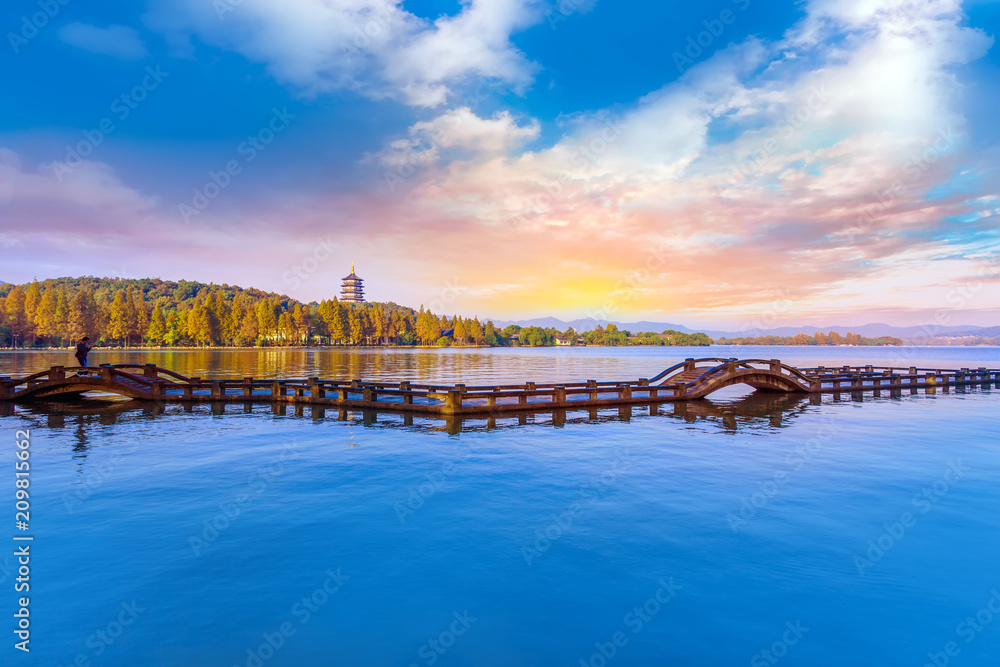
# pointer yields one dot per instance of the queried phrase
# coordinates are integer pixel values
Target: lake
(746, 529)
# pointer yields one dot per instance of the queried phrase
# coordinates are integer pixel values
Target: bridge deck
(692, 379)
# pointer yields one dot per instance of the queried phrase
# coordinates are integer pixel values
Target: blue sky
(457, 143)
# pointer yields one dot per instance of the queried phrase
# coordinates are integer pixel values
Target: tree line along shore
(819, 338)
(156, 313)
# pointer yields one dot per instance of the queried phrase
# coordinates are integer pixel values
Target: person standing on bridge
(82, 348)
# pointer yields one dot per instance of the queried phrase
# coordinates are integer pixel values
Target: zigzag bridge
(689, 380)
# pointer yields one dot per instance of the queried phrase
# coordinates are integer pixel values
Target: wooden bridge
(689, 380)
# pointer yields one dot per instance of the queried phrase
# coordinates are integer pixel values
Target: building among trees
(352, 290)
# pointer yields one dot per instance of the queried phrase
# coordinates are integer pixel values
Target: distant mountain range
(875, 330)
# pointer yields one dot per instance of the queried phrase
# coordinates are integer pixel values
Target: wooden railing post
(592, 385)
(689, 364)
(149, 371)
(156, 389)
(453, 402)
(57, 373)
(559, 394)
(775, 365)
(106, 372)
(216, 389)
(248, 386)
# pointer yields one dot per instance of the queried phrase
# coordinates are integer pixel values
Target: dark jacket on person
(81, 350)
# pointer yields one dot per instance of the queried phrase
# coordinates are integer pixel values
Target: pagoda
(352, 289)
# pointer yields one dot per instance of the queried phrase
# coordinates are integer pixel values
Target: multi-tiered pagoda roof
(352, 289)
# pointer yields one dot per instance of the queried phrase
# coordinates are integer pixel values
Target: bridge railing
(686, 364)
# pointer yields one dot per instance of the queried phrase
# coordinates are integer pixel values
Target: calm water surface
(823, 531)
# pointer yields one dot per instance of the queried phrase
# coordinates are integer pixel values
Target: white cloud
(118, 41)
(460, 129)
(373, 46)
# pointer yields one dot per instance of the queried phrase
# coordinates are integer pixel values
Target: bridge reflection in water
(755, 410)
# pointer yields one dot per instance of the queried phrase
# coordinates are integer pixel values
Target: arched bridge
(692, 379)
(696, 378)
(118, 379)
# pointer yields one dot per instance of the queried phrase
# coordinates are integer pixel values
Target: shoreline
(438, 347)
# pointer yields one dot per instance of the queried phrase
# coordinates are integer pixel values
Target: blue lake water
(746, 529)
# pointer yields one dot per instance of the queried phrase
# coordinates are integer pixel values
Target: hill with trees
(158, 313)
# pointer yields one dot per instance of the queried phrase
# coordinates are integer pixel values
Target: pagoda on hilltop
(352, 290)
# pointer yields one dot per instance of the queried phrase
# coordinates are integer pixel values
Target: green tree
(157, 327)
(46, 322)
(118, 317)
(356, 325)
(16, 316)
(461, 333)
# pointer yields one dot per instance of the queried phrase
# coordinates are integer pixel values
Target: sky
(727, 163)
